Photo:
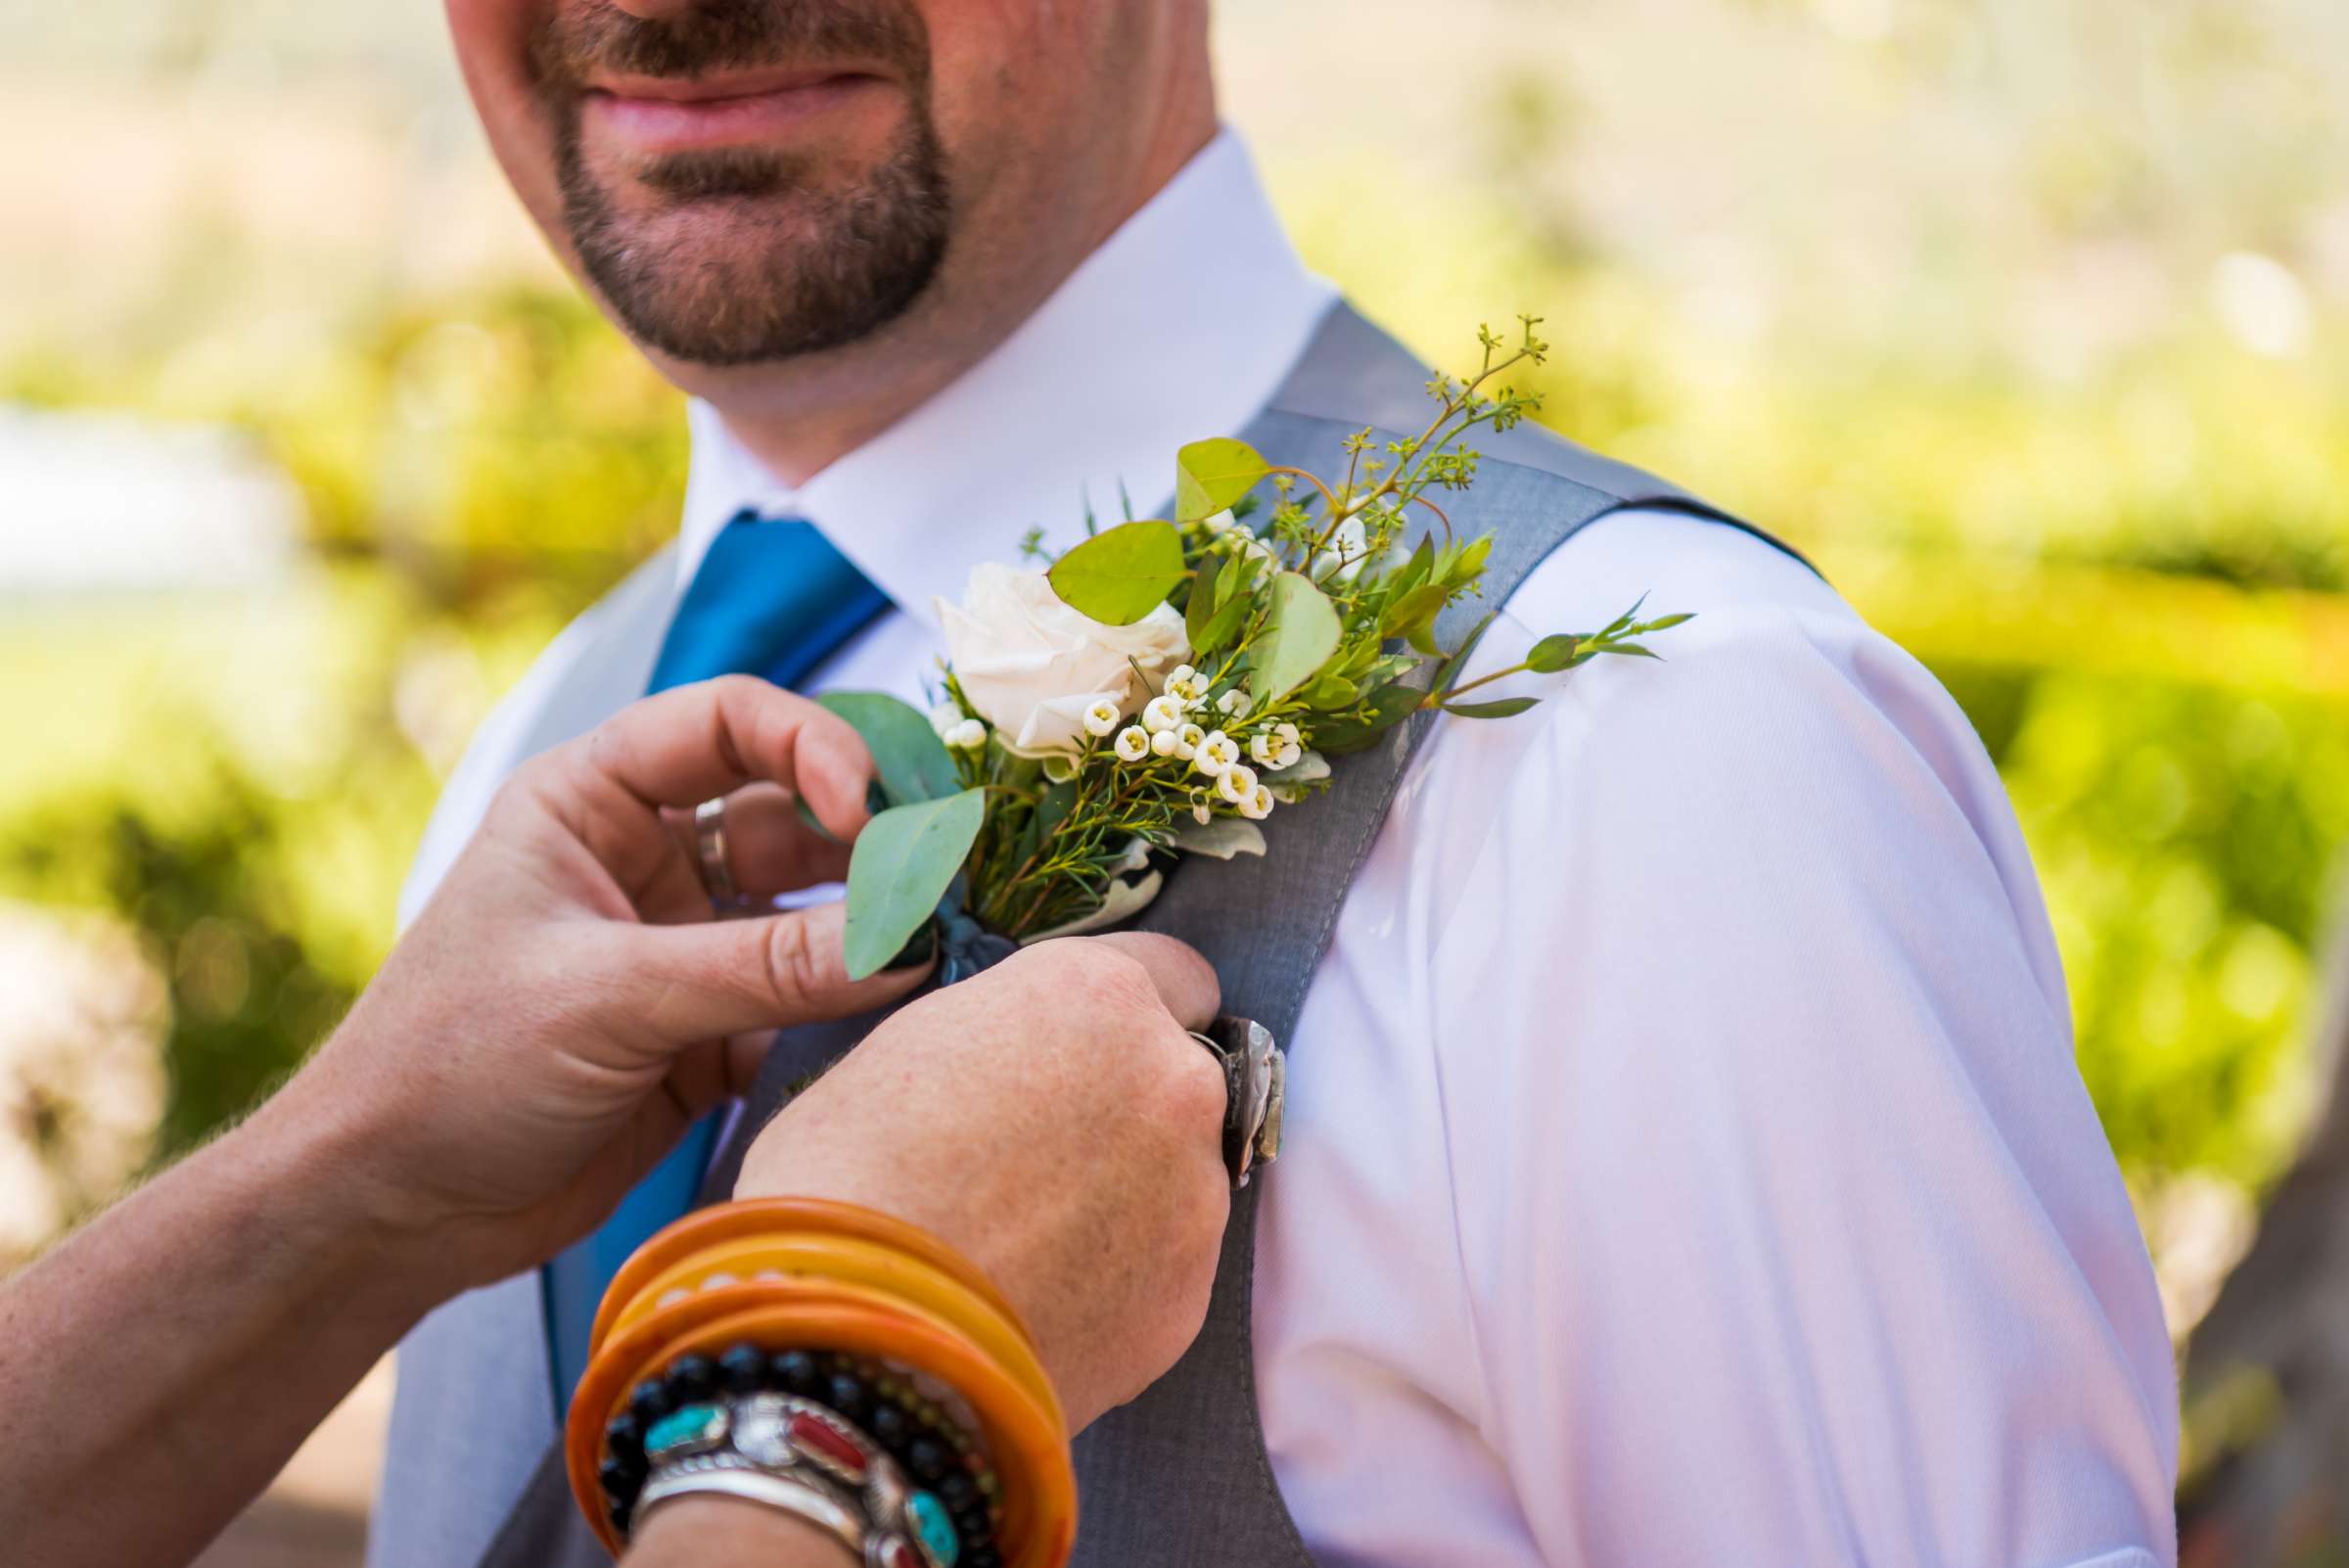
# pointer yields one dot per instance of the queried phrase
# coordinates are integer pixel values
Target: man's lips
(657, 115)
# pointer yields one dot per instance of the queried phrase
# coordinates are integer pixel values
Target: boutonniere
(1165, 685)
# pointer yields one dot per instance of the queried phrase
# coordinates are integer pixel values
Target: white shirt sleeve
(1788, 1232)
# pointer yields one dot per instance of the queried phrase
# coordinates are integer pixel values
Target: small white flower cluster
(1225, 529)
(1101, 715)
(1187, 687)
(1167, 730)
(959, 734)
(1276, 747)
(1219, 757)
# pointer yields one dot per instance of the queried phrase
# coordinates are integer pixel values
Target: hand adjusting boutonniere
(1165, 686)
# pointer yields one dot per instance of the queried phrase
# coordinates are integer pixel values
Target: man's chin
(709, 311)
(731, 282)
(739, 238)
(741, 257)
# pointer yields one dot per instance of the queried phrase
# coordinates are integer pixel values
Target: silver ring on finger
(712, 858)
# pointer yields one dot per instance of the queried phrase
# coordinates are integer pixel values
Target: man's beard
(800, 268)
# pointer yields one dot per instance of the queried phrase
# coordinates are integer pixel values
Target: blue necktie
(772, 599)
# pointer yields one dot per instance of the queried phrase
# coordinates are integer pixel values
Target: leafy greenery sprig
(1310, 637)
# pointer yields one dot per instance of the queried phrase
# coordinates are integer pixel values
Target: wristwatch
(1255, 1081)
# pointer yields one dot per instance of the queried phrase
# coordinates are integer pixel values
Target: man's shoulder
(1677, 562)
(1803, 746)
(1775, 676)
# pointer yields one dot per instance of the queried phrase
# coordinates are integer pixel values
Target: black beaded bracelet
(879, 1401)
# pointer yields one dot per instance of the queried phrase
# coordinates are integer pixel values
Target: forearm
(172, 1355)
(724, 1533)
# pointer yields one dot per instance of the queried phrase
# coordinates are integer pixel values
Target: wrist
(325, 1163)
(718, 1532)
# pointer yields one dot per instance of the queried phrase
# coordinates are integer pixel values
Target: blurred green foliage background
(2025, 317)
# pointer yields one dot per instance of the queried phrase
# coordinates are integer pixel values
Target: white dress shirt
(1686, 1163)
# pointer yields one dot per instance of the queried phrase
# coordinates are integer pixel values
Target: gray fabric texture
(1179, 1476)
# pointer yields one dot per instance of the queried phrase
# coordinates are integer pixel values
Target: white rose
(1031, 665)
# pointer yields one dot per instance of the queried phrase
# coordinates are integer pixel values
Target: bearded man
(1686, 1163)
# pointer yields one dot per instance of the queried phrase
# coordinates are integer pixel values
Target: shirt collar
(1182, 325)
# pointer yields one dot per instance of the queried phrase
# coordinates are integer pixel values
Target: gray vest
(1179, 1477)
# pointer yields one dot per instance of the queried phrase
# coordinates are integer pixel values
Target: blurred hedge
(2101, 595)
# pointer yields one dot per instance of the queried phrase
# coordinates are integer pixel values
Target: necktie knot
(771, 597)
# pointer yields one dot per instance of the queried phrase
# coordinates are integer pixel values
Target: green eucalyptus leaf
(1414, 570)
(1224, 626)
(903, 862)
(1552, 653)
(1238, 574)
(1299, 634)
(913, 762)
(1212, 475)
(1330, 691)
(1414, 611)
(1447, 673)
(1121, 575)
(1387, 706)
(1202, 608)
(1506, 708)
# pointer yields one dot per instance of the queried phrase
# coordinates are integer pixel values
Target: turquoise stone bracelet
(785, 1436)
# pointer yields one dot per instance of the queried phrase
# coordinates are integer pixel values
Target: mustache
(579, 40)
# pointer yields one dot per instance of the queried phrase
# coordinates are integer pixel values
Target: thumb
(699, 982)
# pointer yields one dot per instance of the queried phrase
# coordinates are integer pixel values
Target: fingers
(609, 790)
(706, 981)
(701, 1078)
(1186, 983)
(770, 849)
(698, 741)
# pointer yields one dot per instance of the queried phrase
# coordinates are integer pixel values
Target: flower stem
(1481, 680)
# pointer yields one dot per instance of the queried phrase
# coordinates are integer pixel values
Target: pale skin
(555, 1018)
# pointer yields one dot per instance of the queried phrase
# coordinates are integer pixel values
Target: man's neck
(800, 417)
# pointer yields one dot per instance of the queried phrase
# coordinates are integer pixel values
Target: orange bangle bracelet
(806, 1256)
(763, 1220)
(746, 1216)
(817, 1275)
(1030, 1446)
